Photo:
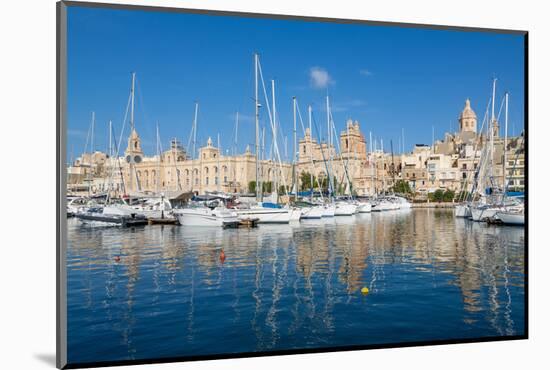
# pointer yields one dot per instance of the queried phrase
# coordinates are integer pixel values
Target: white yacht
(265, 215)
(329, 210)
(344, 208)
(463, 210)
(484, 212)
(204, 216)
(511, 217)
(364, 207)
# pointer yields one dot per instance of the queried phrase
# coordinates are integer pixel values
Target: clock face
(128, 158)
(137, 159)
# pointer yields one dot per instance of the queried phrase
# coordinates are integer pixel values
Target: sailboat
(488, 206)
(264, 213)
(204, 216)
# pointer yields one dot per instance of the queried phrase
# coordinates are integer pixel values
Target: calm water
(430, 276)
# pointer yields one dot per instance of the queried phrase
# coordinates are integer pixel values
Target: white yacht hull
(205, 217)
(295, 214)
(364, 208)
(382, 206)
(345, 209)
(315, 212)
(483, 214)
(265, 215)
(511, 218)
(463, 210)
(328, 210)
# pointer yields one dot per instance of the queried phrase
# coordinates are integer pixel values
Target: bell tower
(467, 119)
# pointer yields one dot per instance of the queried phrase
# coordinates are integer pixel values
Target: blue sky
(388, 78)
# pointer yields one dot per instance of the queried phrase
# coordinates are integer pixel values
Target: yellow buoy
(365, 290)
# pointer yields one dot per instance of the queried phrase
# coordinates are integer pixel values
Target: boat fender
(365, 290)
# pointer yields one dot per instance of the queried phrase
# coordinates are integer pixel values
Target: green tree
(448, 196)
(252, 187)
(402, 187)
(305, 179)
(436, 196)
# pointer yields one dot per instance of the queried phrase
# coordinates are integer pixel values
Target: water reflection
(164, 291)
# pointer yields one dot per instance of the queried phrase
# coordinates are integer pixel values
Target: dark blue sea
(162, 291)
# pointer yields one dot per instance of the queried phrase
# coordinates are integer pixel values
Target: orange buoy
(222, 256)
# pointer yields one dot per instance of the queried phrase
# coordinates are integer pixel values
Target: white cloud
(365, 72)
(319, 77)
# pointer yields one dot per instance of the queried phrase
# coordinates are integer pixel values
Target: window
(196, 181)
(206, 181)
(463, 166)
(463, 175)
(216, 180)
(225, 179)
(304, 149)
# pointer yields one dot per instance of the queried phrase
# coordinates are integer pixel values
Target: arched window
(206, 181)
(196, 181)
(206, 170)
(216, 180)
(215, 169)
(225, 179)
(224, 169)
(186, 172)
(180, 159)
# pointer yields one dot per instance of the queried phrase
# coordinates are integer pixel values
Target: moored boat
(204, 216)
(509, 217)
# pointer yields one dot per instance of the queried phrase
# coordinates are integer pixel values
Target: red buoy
(222, 256)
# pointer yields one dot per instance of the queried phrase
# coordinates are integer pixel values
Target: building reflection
(283, 278)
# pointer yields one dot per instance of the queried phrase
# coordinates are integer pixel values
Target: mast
(133, 171)
(329, 142)
(219, 169)
(294, 159)
(492, 130)
(110, 157)
(383, 167)
(392, 166)
(157, 180)
(194, 129)
(235, 148)
(311, 151)
(275, 183)
(91, 176)
(371, 164)
(505, 159)
(257, 115)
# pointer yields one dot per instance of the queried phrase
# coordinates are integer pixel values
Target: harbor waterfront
(163, 291)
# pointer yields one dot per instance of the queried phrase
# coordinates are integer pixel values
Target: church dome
(467, 112)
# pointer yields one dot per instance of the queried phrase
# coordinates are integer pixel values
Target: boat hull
(463, 210)
(345, 209)
(265, 215)
(328, 210)
(483, 214)
(364, 208)
(205, 218)
(511, 218)
(312, 212)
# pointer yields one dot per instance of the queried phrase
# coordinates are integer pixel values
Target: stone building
(174, 171)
